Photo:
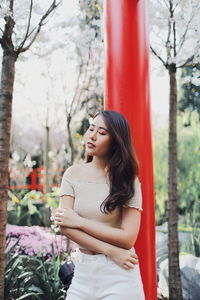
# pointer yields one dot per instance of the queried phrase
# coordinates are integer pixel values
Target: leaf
(31, 208)
(30, 294)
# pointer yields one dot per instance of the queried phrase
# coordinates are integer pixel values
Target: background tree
(174, 33)
(88, 92)
(190, 91)
(13, 43)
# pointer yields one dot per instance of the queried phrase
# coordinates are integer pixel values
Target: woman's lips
(90, 145)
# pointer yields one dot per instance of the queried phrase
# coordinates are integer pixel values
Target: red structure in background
(127, 91)
(36, 180)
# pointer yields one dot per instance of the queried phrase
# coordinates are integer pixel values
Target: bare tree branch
(165, 2)
(176, 5)
(40, 24)
(167, 44)
(84, 80)
(28, 26)
(187, 63)
(174, 36)
(76, 89)
(184, 35)
(158, 56)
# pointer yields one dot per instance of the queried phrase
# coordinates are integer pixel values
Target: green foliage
(48, 278)
(32, 278)
(190, 93)
(23, 211)
(192, 245)
(188, 169)
(51, 199)
(28, 208)
(160, 173)
(18, 280)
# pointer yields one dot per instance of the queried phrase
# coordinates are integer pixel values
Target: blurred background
(58, 86)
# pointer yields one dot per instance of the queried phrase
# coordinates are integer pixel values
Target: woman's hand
(123, 257)
(67, 217)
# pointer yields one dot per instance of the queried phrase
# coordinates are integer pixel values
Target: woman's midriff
(90, 252)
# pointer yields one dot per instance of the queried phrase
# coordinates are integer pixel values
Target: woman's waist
(91, 252)
(87, 251)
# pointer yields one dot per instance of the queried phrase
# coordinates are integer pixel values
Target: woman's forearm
(101, 231)
(87, 241)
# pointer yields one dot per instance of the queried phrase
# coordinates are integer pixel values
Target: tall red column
(127, 91)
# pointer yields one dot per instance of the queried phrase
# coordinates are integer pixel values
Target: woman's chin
(90, 152)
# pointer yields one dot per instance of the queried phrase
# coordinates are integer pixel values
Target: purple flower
(35, 240)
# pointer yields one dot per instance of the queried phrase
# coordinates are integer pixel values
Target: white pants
(97, 277)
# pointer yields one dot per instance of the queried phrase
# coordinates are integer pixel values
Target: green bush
(28, 208)
(32, 278)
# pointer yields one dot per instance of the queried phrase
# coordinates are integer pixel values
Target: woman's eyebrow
(99, 127)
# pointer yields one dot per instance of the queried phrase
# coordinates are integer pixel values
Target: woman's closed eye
(102, 133)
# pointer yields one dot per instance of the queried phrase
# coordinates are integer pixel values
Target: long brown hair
(122, 165)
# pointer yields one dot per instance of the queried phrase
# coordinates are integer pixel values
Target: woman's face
(98, 135)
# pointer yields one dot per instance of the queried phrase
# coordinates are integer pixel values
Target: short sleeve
(66, 187)
(136, 200)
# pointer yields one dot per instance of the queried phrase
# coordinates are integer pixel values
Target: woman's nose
(93, 135)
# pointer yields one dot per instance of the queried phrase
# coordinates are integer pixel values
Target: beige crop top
(89, 196)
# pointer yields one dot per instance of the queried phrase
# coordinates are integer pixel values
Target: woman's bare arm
(80, 237)
(123, 237)
(123, 257)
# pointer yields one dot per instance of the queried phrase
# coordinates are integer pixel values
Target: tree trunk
(6, 94)
(46, 159)
(175, 287)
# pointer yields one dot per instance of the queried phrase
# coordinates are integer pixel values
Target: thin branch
(176, 5)
(165, 2)
(184, 35)
(188, 61)
(85, 77)
(167, 44)
(174, 33)
(158, 56)
(28, 26)
(76, 89)
(40, 24)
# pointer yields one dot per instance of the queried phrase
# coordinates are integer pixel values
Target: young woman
(100, 210)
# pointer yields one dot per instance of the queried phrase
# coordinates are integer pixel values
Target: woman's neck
(99, 164)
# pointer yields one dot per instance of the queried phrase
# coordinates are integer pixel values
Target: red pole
(127, 91)
(34, 179)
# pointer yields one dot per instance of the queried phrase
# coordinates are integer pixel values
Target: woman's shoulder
(73, 171)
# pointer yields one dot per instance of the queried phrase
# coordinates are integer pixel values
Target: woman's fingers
(135, 261)
(128, 265)
(134, 258)
(59, 213)
(134, 255)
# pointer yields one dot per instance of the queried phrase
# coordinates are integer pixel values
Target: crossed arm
(96, 235)
(80, 237)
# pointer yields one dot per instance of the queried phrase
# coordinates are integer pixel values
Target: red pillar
(34, 179)
(127, 91)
